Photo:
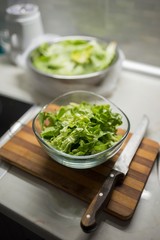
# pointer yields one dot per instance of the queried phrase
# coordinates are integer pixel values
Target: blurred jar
(24, 24)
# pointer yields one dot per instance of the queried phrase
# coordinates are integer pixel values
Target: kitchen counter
(53, 214)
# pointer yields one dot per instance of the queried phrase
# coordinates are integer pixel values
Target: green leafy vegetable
(81, 129)
(73, 57)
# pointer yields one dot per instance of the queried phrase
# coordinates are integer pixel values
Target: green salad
(81, 129)
(73, 57)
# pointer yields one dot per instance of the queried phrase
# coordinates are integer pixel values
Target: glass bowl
(85, 161)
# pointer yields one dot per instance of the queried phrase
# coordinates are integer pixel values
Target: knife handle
(101, 199)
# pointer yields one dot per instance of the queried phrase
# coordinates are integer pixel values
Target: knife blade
(116, 176)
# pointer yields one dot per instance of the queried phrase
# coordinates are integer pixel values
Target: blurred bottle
(3, 41)
(24, 24)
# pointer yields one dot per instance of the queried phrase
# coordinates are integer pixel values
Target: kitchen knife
(116, 176)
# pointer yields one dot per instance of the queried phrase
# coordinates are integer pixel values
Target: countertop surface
(53, 214)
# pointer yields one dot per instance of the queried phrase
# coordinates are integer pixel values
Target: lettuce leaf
(81, 129)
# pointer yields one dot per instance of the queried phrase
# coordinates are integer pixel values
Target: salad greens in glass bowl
(81, 129)
(69, 63)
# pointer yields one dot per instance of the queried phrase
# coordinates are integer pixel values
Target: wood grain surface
(24, 151)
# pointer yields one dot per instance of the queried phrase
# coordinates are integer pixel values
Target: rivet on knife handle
(88, 221)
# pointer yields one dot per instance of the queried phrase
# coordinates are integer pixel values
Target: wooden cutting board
(24, 151)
